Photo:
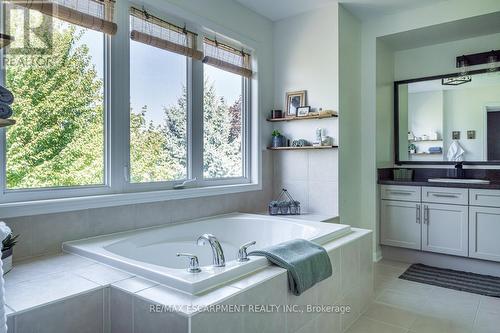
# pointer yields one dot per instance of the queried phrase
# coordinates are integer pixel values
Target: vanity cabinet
(445, 229)
(456, 221)
(401, 224)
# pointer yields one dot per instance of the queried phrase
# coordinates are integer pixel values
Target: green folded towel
(306, 262)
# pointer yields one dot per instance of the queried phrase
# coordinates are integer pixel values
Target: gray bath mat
(458, 280)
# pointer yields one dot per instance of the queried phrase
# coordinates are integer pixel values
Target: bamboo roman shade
(91, 14)
(227, 58)
(148, 29)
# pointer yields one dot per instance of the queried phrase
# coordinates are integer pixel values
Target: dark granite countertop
(421, 175)
(494, 185)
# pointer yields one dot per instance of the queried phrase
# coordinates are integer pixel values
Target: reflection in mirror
(443, 122)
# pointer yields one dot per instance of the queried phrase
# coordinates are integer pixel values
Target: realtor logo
(32, 30)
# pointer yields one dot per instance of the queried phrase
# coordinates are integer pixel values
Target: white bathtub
(151, 252)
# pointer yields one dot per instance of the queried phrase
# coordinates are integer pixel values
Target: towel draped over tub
(306, 262)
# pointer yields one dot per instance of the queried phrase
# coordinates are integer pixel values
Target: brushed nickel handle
(400, 192)
(445, 195)
(426, 214)
(418, 213)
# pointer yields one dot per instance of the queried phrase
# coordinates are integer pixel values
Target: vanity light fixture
(492, 62)
(489, 58)
(462, 63)
(456, 80)
(463, 77)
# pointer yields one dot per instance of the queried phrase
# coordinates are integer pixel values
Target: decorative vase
(278, 141)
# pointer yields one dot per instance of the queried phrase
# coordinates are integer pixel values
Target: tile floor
(402, 306)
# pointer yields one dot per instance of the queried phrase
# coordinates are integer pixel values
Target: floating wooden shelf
(302, 148)
(5, 40)
(304, 118)
(420, 154)
(417, 141)
(6, 122)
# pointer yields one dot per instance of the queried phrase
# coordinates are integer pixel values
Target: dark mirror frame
(396, 121)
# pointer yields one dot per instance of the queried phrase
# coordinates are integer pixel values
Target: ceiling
(364, 9)
(461, 29)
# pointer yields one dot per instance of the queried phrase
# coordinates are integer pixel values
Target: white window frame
(245, 142)
(117, 190)
(195, 92)
(28, 194)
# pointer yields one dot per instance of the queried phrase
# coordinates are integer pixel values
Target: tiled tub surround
(311, 177)
(44, 234)
(67, 293)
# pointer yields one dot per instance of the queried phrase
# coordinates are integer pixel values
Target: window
(222, 119)
(158, 114)
(176, 106)
(224, 103)
(59, 106)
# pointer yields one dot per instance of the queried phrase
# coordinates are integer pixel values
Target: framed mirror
(448, 119)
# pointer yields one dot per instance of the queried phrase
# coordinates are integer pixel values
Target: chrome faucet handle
(242, 252)
(194, 264)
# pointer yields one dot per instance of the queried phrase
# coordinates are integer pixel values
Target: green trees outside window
(59, 137)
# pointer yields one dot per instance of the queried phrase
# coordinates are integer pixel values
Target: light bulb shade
(492, 62)
(463, 65)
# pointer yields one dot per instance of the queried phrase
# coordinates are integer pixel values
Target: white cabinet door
(445, 229)
(484, 233)
(400, 224)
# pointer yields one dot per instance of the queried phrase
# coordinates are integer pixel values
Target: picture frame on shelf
(303, 111)
(294, 100)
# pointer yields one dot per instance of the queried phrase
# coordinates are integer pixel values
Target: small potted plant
(294, 207)
(274, 208)
(7, 250)
(284, 207)
(278, 139)
(412, 148)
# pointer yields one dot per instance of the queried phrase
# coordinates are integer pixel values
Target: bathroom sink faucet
(459, 169)
(217, 253)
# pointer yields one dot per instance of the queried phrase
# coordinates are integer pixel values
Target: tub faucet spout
(217, 253)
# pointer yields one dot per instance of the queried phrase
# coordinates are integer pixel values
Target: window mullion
(196, 120)
(119, 101)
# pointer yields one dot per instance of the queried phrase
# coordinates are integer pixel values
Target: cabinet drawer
(488, 198)
(445, 195)
(402, 193)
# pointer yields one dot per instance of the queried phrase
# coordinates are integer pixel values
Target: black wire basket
(285, 205)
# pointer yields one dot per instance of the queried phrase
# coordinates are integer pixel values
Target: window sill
(36, 207)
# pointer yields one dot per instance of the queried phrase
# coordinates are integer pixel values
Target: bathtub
(151, 252)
